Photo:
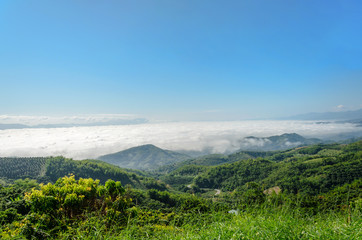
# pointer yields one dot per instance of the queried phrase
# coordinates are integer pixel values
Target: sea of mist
(92, 141)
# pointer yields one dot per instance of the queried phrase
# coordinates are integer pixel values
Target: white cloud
(291, 144)
(249, 142)
(340, 107)
(91, 142)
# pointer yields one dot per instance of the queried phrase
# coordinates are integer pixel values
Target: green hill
(312, 169)
(213, 160)
(146, 157)
(50, 169)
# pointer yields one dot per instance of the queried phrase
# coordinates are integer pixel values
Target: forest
(310, 192)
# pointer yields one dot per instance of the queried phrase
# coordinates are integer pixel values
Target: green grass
(260, 223)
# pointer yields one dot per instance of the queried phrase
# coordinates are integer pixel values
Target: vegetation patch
(259, 198)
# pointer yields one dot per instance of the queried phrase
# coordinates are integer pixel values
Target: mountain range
(341, 115)
(273, 143)
(150, 157)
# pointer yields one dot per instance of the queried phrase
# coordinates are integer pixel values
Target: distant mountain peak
(143, 157)
(145, 146)
(291, 135)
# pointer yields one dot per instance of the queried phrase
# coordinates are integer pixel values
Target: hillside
(311, 169)
(250, 148)
(50, 169)
(150, 157)
(146, 157)
(319, 194)
(213, 160)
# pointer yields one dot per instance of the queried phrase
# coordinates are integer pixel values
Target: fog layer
(91, 142)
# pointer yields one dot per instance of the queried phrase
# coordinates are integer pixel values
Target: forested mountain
(146, 157)
(50, 169)
(251, 147)
(150, 157)
(311, 169)
(280, 142)
(214, 160)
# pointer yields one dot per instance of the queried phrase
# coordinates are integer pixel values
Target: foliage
(320, 198)
(70, 198)
(22, 167)
(12, 203)
(50, 169)
(248, 195)
(311, 170)
(68, 202)
(153, 184)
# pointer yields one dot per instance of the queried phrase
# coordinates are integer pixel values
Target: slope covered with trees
(50, 169)
(14, 168)
(213, 160)
(312, 169)
(304, 193)
(144, 157)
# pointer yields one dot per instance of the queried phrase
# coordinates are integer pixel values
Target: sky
(180, 60)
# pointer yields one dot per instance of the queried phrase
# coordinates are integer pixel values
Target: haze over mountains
(281, 142)
(90, 136)
(191, 138)
(150, 157)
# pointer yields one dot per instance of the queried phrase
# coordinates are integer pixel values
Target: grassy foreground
(260, 223)
(86, 209)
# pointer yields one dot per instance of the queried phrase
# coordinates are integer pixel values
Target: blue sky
(180, 60)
